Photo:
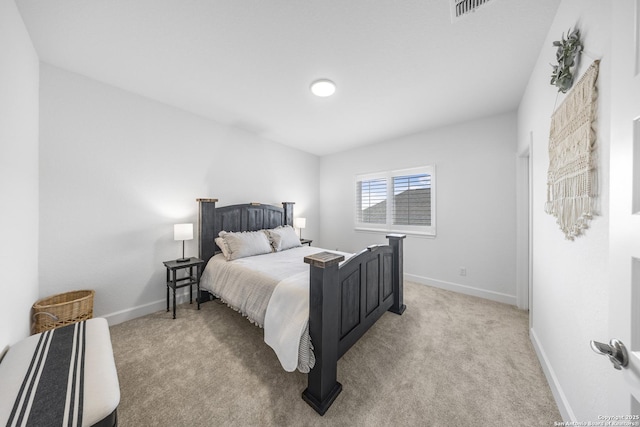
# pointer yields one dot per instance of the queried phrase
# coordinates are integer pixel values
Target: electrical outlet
(463, 271)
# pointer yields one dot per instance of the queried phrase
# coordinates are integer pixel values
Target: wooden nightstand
(306, 242)
(174, 283)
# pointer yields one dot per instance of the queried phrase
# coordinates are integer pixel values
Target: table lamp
(183, 232)
(300, 223)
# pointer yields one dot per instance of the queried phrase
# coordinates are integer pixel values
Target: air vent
(461, 8)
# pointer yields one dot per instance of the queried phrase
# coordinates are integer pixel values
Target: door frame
(524, 261)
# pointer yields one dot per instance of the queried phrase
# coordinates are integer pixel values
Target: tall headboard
(234, 218)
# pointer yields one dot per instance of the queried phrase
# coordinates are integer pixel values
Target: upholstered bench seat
(61, 377)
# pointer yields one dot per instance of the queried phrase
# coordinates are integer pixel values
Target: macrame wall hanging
(571, 180)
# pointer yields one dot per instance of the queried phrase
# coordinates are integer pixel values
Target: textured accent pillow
(283, 238)
(245, 244)
(223, 246)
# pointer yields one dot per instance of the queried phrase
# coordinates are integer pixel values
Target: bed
(321, 301)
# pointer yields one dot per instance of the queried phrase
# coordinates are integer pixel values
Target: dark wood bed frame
(345, 300)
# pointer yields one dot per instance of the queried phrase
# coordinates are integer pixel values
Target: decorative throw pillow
(245, 244)
(283, 238)
(223, 246)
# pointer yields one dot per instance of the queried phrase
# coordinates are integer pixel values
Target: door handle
(616, 351)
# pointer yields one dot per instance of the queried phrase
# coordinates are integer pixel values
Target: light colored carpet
(449, 360)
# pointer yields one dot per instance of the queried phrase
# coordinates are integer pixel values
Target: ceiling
(401, 66)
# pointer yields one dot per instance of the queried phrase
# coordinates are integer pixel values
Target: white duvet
(287, 317)
(271, 290)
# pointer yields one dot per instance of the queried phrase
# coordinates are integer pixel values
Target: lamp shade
(183, 232)
(300, 222)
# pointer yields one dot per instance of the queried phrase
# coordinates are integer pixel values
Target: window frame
(389, 227)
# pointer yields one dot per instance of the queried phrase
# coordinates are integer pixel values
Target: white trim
(182, 296)
(384, 231)
(462, 289)
(559, 396)
(523, 236)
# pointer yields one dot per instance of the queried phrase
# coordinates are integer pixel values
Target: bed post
(288, 213)
(206, 222)
(324, 302)
(395, 241)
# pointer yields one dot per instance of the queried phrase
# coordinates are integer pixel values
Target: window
(402, 201)
(373, 201)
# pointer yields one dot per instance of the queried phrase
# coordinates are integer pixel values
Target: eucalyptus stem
(568, 50)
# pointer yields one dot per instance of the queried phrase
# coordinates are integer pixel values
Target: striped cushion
(62, 377)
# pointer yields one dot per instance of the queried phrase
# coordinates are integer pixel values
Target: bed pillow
(223, 246)
(283, 238)
(245, 244)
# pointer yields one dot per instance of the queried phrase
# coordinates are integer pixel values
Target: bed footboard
(345, 301)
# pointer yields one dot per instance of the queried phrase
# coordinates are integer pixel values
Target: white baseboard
(463, 289)
(559, 396)
(182, 296)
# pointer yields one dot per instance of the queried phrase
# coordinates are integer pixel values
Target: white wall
(475, 167)
(569, 305)
(18, 175)
(118, 170)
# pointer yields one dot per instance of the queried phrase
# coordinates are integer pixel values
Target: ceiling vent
(461, 8)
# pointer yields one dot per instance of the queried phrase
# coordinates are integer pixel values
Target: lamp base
(183, 259)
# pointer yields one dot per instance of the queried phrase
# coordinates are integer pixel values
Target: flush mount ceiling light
(323, 88)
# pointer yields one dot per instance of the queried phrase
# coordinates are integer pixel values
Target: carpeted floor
(449, 360)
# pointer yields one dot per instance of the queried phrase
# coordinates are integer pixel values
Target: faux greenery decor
(568, 50)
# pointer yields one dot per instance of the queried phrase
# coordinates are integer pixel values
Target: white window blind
(372, 195)
(412, 200)
(402, 201)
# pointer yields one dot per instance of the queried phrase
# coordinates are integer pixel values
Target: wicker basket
(61, 310)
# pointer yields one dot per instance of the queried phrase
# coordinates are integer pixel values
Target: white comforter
(286, 319)
(271, 290)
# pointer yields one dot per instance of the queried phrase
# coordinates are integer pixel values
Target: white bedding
(248, 285)
(287, 318)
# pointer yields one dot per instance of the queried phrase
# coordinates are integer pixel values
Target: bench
(64, 376)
